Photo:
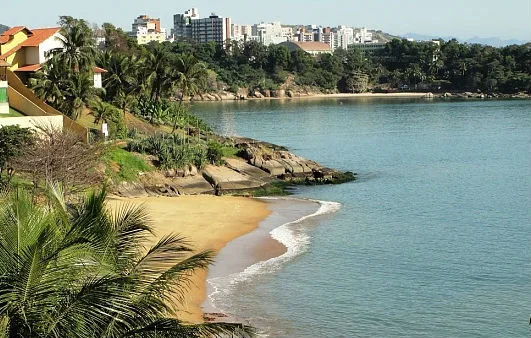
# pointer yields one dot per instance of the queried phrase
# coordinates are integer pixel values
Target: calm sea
(433, 240)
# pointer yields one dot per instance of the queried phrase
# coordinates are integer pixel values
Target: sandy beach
(208, 222)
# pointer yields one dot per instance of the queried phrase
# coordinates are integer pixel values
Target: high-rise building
(190, 26)
(182, 23)
(146, 29)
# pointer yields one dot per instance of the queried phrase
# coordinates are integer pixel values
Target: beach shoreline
(208, 223)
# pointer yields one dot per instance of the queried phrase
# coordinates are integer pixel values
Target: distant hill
(492, 41)
(3, 28)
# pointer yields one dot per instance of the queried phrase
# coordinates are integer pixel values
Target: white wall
(52, 42)
(97, 80)
(34, 122)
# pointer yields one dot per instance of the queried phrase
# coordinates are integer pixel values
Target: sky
(509, 19)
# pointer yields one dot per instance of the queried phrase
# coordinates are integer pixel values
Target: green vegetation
(81, 271)
(13, 140)
(12, 113)
(124, 166)
(272, 189)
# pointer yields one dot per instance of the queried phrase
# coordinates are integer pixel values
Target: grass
(12, 113)
(123, 166)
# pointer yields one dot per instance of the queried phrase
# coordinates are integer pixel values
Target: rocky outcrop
(281, 164)
(261, 164)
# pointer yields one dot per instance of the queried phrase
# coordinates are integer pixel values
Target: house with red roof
(26, 50)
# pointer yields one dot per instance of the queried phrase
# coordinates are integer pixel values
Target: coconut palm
(158, 74)
(78, 92)
(46, 83)
(121, 77)
(191, 77)
(84, 272)
(78, 45)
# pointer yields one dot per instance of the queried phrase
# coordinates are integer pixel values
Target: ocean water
(433, 240)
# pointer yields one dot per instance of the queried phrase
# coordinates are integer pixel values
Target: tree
(158, 74)
(81, 271)
(13, 141)
(191, 76)
(78, 46)
(60, 157)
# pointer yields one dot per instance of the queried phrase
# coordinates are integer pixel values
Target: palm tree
(78, 93)
(102, 111)
(121, 77)
(46, 83)
(83, 272)
(191, 77)
(158, 74)
(78, 46)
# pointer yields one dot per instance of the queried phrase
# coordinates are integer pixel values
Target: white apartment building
(271, 33)
(241, 32)
(146, 29)
(362, 35)
(189, 26)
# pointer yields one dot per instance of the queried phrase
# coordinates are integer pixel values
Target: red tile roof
(30, 68)
(6, 36)
(39, 36)
(99, 70)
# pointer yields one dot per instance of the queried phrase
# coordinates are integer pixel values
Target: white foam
(295, 240)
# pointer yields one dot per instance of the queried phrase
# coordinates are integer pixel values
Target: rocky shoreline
(289, 94)
(261, 165)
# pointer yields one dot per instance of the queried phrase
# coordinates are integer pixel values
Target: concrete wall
(24, 100)
(34, 122)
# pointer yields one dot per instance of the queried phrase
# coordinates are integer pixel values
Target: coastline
(207, 222)
(249, 236)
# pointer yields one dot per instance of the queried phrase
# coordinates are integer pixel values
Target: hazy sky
(509, 19)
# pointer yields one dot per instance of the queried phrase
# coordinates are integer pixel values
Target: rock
(280, 93)
(274, 168)
(258, 95)
(429, 96)
(170, 173)
(289, 93)
(447, 95)
(468, 94)
(226, 180)
(131, 190)
(193, 170)
(266, 93)
(193, 185)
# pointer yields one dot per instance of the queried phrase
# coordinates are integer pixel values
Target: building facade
(190, 26)
(146, 30)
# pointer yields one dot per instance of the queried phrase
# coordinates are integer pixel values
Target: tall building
(271, 33)
(182, 23)
(189, 26)
(146, 29)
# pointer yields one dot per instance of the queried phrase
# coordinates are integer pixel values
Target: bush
(13, 140)
(171, 150)
(214, 153)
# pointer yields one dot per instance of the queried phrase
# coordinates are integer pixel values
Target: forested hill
(402, 65)
(3, 28)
